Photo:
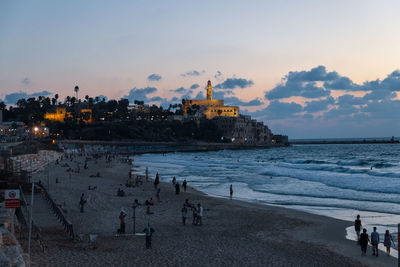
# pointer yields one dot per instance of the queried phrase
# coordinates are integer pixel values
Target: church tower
(209, 90)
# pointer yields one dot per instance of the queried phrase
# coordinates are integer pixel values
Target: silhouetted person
(177, 188)
(184, 214)
(375, 242)
(184, 184)
(364, 239)
(82, 202)
(156, 181)
(122, 216)
(149, 232)
(357, 227)
(231, 191)
(387, 242)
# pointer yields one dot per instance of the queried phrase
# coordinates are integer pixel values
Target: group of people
(374, 239)
(177, 187)
(197, 213)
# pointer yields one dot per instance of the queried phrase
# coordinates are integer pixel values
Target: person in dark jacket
(364, 239)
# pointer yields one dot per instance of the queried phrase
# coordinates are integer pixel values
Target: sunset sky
(308, 69)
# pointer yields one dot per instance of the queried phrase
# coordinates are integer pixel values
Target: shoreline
(234, 232)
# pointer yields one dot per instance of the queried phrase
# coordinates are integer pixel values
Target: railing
(58, 212)
(21, 217)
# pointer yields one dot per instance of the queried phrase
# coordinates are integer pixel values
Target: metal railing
(68, 228)
(23, 211)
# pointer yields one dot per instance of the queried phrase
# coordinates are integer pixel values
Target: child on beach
(184, 214)
(387, 242)
(149, 232)
(364, 239)
(199, 214)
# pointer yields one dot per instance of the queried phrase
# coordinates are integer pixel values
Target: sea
(335, 180)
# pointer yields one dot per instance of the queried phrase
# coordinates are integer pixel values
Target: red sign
(12, 198)
(12, 203)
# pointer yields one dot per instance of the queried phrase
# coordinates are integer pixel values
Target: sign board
(12, 198)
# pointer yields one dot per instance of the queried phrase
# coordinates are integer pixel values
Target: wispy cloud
(154, 77)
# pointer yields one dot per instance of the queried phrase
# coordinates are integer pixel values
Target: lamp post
(134, 206)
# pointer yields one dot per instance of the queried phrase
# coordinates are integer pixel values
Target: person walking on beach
(184, 184)
(82, 202)
(364, 239)
(156, 181)
(184, 214)
(149, 232)
(173, 181)
(357, 227)
(231, 191)
(387, 242)
(177, 188)
(122, 216)
(375, 242)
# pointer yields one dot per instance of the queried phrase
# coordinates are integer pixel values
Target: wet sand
(234, 233)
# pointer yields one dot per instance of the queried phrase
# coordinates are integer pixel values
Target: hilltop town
(208, 120)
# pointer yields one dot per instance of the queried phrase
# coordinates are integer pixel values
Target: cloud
(140, 94)
(26, 81)
(342, 83)
(218, 76)
(315, 74)
(295, 88)
(232, 83)
(194, 86)
(193, 73)
(42, 93)
(234, 101)
(279, 110)
(179, 90)
(319, 105)
(315, 83)
(14, 97)
(154, 77)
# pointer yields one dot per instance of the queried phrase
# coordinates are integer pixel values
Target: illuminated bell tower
(209, 90)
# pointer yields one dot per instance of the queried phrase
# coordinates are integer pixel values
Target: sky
(307, 69)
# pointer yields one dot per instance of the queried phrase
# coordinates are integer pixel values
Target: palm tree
(76, 89)
(68, 100)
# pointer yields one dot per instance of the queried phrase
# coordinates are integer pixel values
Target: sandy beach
(234, 233)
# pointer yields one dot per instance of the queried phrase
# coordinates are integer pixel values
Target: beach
(233, 233)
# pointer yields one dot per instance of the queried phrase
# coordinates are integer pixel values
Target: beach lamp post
(134, 206)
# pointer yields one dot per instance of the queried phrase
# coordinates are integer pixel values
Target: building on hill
(209, 107)
(243, 129)
(61, 113)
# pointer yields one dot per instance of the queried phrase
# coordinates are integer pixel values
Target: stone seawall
(34, 162)
(142, 147)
